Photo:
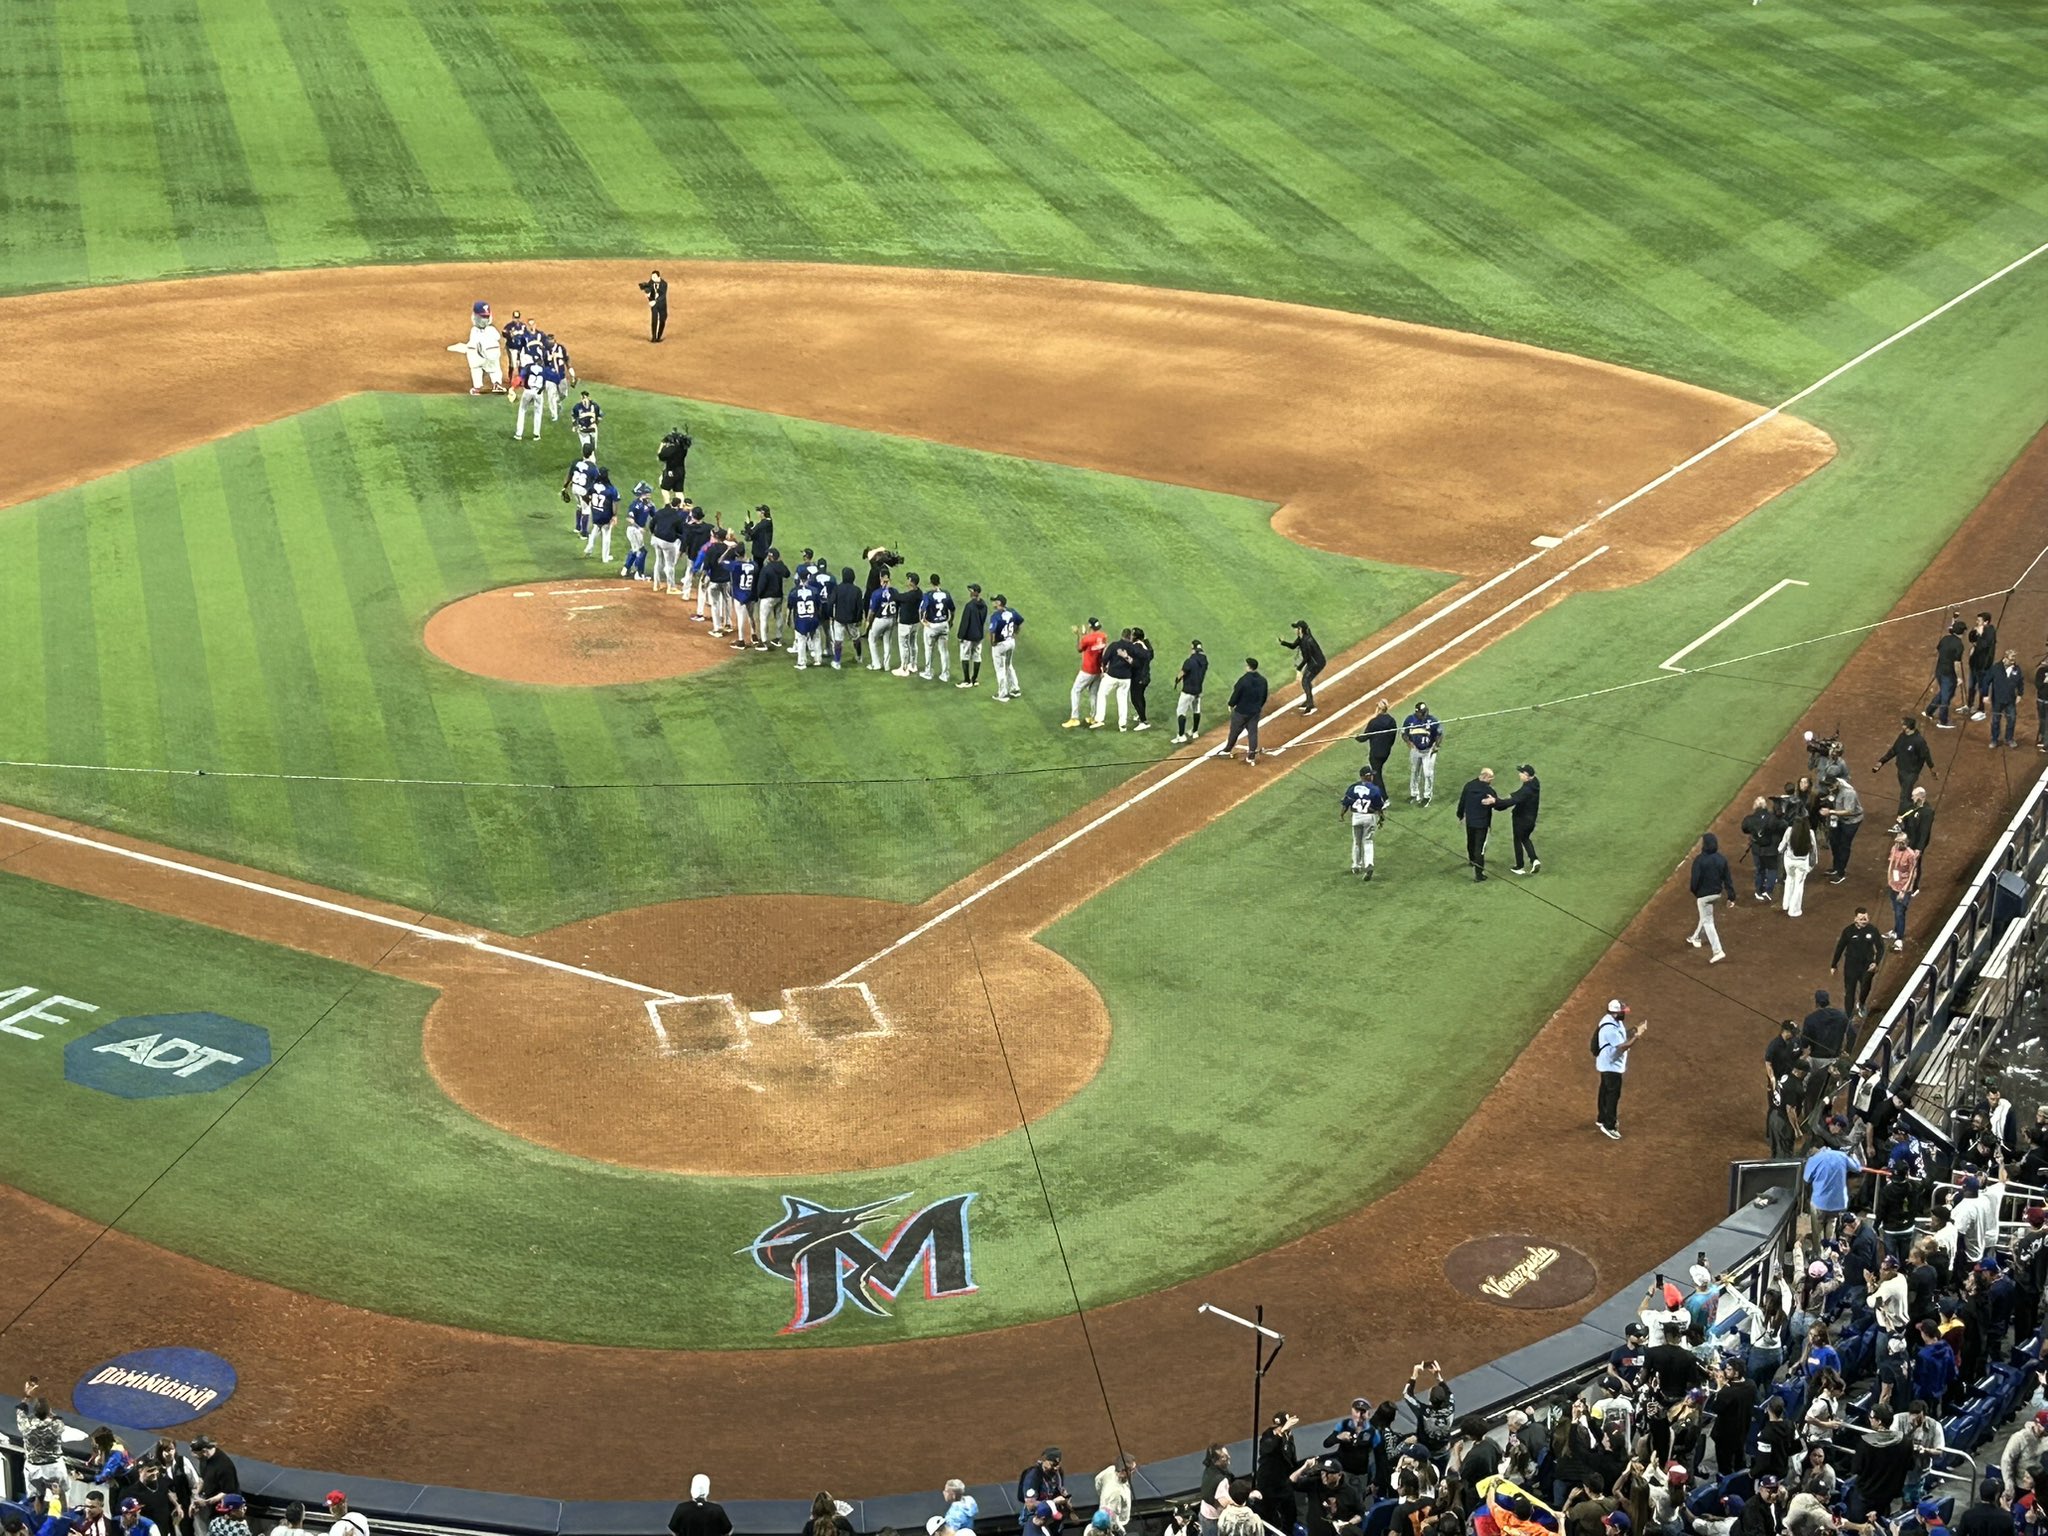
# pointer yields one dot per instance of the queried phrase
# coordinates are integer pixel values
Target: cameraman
(673, 452)
(656, 289)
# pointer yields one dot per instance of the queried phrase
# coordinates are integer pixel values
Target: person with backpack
(1611, 1041)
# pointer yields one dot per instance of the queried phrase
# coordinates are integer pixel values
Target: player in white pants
(807, 618)
(1003, 624)
(529, 398)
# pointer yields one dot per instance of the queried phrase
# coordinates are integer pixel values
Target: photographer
(656, 289)
(881, 561)
(673, 452)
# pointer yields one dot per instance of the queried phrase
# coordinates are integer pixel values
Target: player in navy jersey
(584, 416)
(937, 618)
(576, 490)
(1364, 802)
(556, 374)
(604, 509)
(882, 607)
(807, 617)
(639, 513)
(846, 605)
(740, 574)
(1003, 624)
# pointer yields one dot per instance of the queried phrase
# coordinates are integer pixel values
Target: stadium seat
(1380, 1518)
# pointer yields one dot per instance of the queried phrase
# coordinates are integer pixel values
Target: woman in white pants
(1796, 853)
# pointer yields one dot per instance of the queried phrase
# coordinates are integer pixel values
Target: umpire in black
(656, 289)
(1475, 809)
(1379, 735)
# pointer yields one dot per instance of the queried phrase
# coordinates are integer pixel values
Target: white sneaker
(836, 667)
(1898, 945)
(1716, 958)
(1694, 941)
(1142, 725)
(1180, 741)
(926, 676)
(1610, 1135)
(1977, 714)
(963, 685)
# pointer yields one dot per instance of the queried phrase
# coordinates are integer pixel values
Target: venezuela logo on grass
(161, 1055)
(155, 1388)
(822, 1252)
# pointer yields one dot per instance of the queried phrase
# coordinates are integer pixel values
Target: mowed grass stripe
(305, 207)
(656, 206)
(216, 211)
(72, 720)
(24, 730)
(131, 711)
(791, 63)
(177, 648)
(42, 232)
(373, 158)
(543, 162)
(119, 180)
(657, 90)
(1139, 213)
(892, 89)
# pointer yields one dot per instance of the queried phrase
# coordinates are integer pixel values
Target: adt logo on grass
(155, 1388)
(163, 1054)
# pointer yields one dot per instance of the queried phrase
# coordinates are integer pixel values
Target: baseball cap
(1988, 1264)
(1100, 1521)
(1699, 1274)
(2041, 1419)
(1361, 1403)
(233, 1501)
(1050, 1453)
(1927, 1509)
(1817, 1270)
(1331, 1464)
(203, 1443)
(1820, 994)
(1617, 1521)
(1767, 1481)
(1676, 1473)
(130, 1506)
(641, 488)
(1093, 621)
(1970, 1183)
(974, 586)
(1637, 1330)
(1528, 768)
(337, 1497)
(1616, 1005)
(2036, 1215)
(933, 1526)
(1889, 1261)
(1733, 1504)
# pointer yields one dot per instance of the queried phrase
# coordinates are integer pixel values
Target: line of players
(744, 590)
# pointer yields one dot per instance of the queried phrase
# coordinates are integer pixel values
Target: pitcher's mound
(601, 630)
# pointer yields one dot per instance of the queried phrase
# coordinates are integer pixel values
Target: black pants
(1249, 726)
(1841, 838)
(1308, 685)
(1138, 697)
(657, 321)
(1610, 1100)
(1856, 988)
(1906, 782)
(1525, 845)
(1475, 849)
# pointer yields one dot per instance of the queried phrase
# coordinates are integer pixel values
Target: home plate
(766, 1016)
(1545, 541)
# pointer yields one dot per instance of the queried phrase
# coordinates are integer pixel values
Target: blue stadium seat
(1380, 1518)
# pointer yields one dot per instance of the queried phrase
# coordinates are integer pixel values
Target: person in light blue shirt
(1827, 1182)
(961, 1509)
(1611, 1042)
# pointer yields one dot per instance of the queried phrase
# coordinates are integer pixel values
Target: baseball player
(516, 332)
(1362, 805)
(665, 532)
(846, 605)
(584, 416)
(909, 603)
(741, 574)
(936, 615)
(810, 568)
(556, 374)
(807, 617)
(1003, 624)
(639, 513)
(1090, 643)
(576, 487)
(528, 397)
(1424, 733)
(771, 589)
(713, 573)
(1119, 666)
(696, 534)
(1187, 712)
(482, 350)
(973, 627)
(604, 508)
(882, 625)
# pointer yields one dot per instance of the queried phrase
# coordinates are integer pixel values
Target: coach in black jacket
(1475, 809)
(1379, 736)
(1910, 757)
(973, 630)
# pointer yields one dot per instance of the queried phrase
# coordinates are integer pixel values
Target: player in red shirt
(1089, 642)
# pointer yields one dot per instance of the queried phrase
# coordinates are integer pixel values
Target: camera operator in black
(759, 533)
(881, 560)
(656, 289)
(674, 450)
(1910, 757)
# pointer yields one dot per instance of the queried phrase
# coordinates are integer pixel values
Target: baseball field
(440, 979)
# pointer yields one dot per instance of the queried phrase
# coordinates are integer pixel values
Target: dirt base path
(1382, 439)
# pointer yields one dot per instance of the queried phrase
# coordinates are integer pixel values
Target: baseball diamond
(463, 986)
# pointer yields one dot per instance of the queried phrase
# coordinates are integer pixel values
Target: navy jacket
(1710, 873)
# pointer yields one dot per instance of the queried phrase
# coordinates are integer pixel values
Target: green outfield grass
(1737, 194)
(255, 606)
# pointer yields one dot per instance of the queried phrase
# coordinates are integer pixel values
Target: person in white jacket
(1797, 855)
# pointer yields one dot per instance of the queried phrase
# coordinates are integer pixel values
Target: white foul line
(467, 940)
(1197, 761)
(1671, 663)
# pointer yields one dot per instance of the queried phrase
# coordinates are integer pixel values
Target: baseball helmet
(480, 310)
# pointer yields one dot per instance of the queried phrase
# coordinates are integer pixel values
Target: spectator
(1235, 1516)
(1763, 1513)
(1776, 1443)
(1825, 1410)
(1432, 1419)
(1215, 1486)
(961, 1509)
(42, 1444)
(1976, 1223)
(1827, 1174)
(1352, 1442)
(108, 1466)
(1991, 1515)
(1921, 1430)
(1272, 1469)
(293, 1523)
(134, 1522)
(1733, 1406)
(1329, 1508)
(165, 1492)
(231, 1514)
(1113, 1493)
(91, 1520)
(1826, 1032)
(2022, 1458)
(1901, 875)
(1796, 857)
(342, 1520)
(1710, 880)
(1934, 1366)
(217, 1475)
(1814, 1475)
(698, 1515)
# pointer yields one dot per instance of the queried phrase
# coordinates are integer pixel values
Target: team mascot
(482, 350)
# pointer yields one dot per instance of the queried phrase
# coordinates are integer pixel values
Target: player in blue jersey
(740, 574)
(584, 416)
(604, 510)
(576, 490)
(807, 617)
(1003, 624)
(556, 374)
(639, 513)
(936, 616)
(882, 607)
(526, 393)
(1364, 802)
(1424, 733)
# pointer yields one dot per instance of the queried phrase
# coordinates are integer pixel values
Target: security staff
(1910, 757)
(1379, 736)
(1475, 809)
(1522, 807)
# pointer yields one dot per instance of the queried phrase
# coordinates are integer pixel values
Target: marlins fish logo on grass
(822, 1252)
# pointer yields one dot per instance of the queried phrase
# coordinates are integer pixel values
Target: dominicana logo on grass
(821, 1251)
(160, 1055)
(154, 1388)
